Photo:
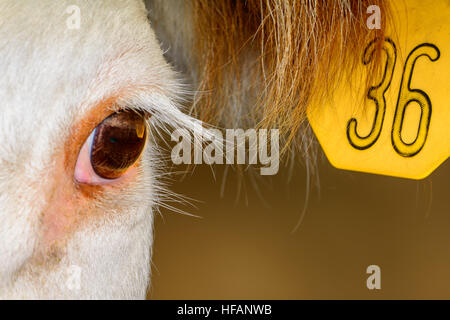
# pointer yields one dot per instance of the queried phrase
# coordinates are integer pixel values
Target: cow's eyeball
(112, 148)
(117, 143)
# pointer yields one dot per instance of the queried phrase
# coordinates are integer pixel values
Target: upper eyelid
(163, 109)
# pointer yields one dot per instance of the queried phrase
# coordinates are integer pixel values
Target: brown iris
(117, 143)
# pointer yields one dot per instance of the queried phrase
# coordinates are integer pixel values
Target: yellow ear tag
(404, 130)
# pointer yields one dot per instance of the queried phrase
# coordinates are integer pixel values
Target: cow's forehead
(50, 71)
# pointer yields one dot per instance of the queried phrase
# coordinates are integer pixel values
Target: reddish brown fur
(291, 53)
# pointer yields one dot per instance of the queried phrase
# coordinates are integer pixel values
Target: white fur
(50, 77)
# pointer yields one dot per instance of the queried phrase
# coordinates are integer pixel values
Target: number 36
(405, 97)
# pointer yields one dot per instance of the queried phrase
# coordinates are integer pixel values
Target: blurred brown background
(245, 249)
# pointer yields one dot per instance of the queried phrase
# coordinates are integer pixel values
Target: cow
(86, 85)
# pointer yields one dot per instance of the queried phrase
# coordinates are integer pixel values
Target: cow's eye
(112, 148)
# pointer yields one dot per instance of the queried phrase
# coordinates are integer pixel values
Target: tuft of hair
(262, 62)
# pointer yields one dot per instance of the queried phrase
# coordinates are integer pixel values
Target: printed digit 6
(407, 96)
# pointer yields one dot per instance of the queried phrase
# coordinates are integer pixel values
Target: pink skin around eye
(85, 174)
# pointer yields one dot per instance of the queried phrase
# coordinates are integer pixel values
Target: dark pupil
(117, 144)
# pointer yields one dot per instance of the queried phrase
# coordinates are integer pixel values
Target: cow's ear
(263, 62)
